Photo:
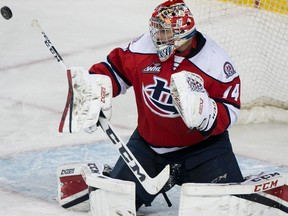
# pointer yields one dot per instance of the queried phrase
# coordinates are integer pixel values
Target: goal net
(255, 34)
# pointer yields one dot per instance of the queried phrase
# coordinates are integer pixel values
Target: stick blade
(154, 185)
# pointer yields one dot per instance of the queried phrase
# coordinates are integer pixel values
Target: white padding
(89, 94)
(192, 101)
(108, 203)
(217, 199)
(255, 184)
(224, 206)
(112, 197)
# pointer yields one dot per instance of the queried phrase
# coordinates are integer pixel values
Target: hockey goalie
(90, 187)
(187, 92)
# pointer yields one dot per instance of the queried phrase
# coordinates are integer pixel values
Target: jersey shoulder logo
(153, 68)
(228, 69)
(158, 99)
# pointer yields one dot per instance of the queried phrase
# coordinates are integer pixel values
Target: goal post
(255, 35)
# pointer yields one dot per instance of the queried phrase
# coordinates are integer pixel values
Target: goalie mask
(171, 25)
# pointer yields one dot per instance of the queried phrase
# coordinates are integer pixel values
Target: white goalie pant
(112, 197)
(200, 199)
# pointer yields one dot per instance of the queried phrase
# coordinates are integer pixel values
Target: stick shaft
(151, 185)
(49, 44)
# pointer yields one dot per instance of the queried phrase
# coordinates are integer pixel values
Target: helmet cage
(170, 27)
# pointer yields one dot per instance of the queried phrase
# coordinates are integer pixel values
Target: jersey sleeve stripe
(223, 101)
(116, 71)
(114, 77)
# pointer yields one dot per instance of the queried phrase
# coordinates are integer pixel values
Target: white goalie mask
(171, 25)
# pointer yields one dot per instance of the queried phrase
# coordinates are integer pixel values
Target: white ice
(33, 89)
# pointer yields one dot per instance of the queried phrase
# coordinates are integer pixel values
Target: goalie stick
(151, 185)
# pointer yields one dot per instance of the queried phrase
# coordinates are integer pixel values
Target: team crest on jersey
(153, 68)
(228, 69)
(157, 97)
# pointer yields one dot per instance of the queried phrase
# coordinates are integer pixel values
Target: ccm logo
(93, 167)
(266, 186)
(125, 154)
(201, 106)
(103, 93)
(67, 171)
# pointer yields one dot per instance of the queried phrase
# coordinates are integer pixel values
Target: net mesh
(255, 34)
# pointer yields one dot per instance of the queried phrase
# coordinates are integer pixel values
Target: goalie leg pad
(109, 203)
(72, 189)
(255, 197)
(111, 197)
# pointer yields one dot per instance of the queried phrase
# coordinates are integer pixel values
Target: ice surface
(33, 90)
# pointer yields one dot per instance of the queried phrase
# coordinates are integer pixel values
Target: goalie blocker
(88, 95)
